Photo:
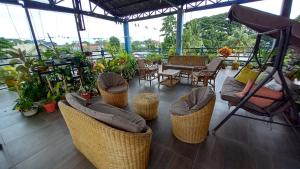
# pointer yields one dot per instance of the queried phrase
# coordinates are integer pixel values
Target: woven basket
(104, 146)
(146, 105)
(115, 99)
(193, 128)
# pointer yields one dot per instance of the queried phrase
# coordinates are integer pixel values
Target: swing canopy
(263, 22)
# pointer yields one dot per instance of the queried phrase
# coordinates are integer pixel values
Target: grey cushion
(118, 89)
(229, 88)
(196, 99)
(110, 115)
(110, 79)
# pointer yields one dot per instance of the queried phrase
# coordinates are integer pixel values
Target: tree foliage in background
(189, 38)
(211, 32)
(4, 45)
(113, 46)
(240, 38)
(147, 45)
(168, 30)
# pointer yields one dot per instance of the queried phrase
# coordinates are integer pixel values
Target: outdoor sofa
(109, 137)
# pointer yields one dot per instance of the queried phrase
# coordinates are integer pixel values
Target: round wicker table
(146, 105)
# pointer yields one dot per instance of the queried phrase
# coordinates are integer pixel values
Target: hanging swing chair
(287, 34)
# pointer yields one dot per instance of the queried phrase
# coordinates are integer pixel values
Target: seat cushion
(229, 88)
(180, 107)
(118, 89)
(112, 116)
(195, 100)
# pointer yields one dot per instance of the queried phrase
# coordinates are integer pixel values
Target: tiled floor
(43, 141)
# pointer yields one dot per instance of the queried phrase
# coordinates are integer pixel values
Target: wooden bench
(185, 64)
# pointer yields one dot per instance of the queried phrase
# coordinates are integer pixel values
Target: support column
(179, 31)
(127, 37)
(286, 8)
(79, 36)
(79, 21)
(32, 32)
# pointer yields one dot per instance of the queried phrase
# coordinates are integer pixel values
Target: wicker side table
(146, 105)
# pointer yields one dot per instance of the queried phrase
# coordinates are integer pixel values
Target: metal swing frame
(283, 43)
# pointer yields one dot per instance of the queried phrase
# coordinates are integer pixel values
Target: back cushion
(246, 74)
(110, 79)
(110, 115)
(214, 64)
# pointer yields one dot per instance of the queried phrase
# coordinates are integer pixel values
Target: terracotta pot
(86, 95)
(50, 107)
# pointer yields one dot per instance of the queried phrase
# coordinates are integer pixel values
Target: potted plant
(235, 65)
(40, 66)
(154, 58)
(26, 106)
(54, 95)
(84, 93)
(50, 103)
(225, 51)
(8, 75)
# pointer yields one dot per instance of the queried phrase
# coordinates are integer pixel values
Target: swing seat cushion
(246, 74)
(263, 91)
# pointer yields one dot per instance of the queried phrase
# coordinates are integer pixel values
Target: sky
(62, 26)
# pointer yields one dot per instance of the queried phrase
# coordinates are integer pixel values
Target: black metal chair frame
(283, 43)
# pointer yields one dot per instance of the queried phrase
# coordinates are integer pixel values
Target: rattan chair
(106, 147)
(146, 72)
(193, 128)
(116, 98)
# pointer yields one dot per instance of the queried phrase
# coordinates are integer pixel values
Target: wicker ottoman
(146, 105)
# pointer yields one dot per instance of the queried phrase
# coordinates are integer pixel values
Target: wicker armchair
(146, 72)
(113, 88)
(104, 146)
(193, 127)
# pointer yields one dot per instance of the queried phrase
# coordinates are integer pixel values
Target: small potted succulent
(26, 106)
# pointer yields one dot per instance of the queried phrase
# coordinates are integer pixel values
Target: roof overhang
(129, 10)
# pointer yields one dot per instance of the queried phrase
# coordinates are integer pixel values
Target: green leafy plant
(23, 104)
(124, 64)
(8, 75)
(55, 94)
(33, 90)
(79, 58)
(49, 54)
(4, 45)
(154, 58)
